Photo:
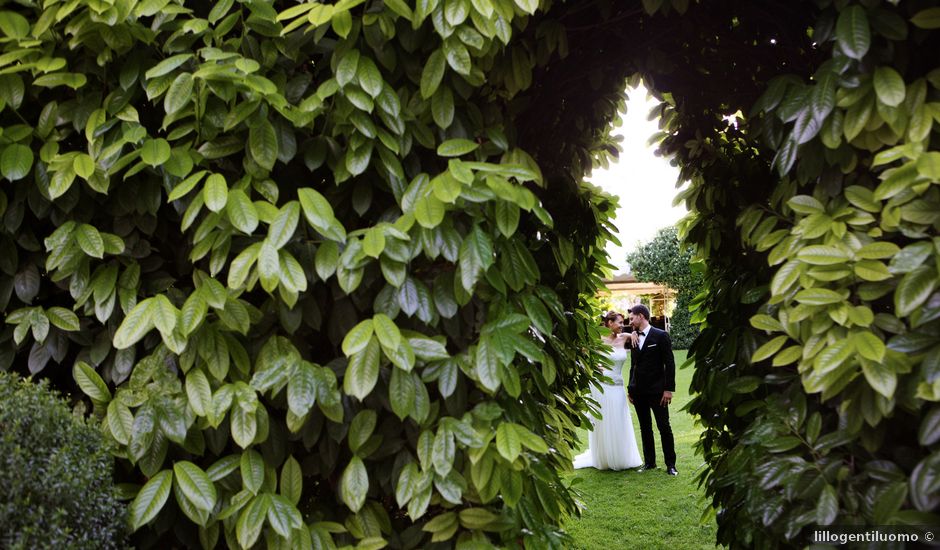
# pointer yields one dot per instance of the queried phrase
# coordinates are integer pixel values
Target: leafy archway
(324, 269)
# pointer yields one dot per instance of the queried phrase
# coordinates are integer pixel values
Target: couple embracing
(651, 381)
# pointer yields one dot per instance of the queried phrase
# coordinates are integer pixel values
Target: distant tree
(663, 261)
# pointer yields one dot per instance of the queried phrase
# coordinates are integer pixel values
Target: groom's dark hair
(640, 309)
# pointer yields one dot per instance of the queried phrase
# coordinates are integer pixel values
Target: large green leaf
(195, 484)
(284, 225)
(251, 521)
(83, 165)
(507, 441)
(301, 389)
(852, 32)
(827, 509)
(373, 242)
(326, 259)
(252, 470)
(881, 377)
(528, 6)
(150, 499)
(164, 314)
(386, 331)
(456, 147)
(347, 67)
(530, 440)
(72, 80)
(155, 151)
(90, 382)
(889, 86)
(401, 393)
(486, 365)
(928, 165)
(429, 211)
(198, 391)
(914, 289)
(185, 186)
(269, 266)
(869, 346)
(89, 240)
(927, 18)
(822, 255)
(292, 481)
(320, 215)
(818, 296)
(432, 74)
(370, 79)
(408, 484)
(263, 145)
(168, 65)
(120, 421)
(442, 107)
(363, 370)
(769, 348)
(476, 256)
(283, 516)
(241, 212)
(136, 325)
(244, 426)
(16, 161)
(179, 94)
(457, 56)
(354, 484)
(215, 192)
(358, 337)
(13, 25)
(63, 318)
(361, 428)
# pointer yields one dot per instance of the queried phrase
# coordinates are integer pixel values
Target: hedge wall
(301, 264)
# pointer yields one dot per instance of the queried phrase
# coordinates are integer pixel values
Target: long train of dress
(612, 443)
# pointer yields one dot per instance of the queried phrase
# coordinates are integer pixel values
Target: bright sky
(645, 183)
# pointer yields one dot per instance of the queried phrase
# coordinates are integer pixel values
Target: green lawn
(627, 509)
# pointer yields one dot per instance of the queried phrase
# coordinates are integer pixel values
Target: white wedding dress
(611, 444)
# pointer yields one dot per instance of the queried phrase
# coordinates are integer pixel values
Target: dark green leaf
(263, 145)
(432, 74)
(354, 484)
(852, 32)
(16, 161)
(889, 86)
(363, 371)
(155, 152)
(195, 484)
(150, 500)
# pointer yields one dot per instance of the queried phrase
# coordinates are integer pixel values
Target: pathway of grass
(651, 509)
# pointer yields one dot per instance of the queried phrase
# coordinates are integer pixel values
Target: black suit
(653, 371)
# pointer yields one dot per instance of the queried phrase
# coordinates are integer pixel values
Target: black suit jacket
(653, 368)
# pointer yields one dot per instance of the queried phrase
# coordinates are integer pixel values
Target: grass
(626, 509)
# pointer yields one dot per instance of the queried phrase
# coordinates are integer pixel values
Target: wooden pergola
(625, 288)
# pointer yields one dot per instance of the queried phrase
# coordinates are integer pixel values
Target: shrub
(56, 488)
(664, 261)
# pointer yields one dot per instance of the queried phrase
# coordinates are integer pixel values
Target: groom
(652, 381)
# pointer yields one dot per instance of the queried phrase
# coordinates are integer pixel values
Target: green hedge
(816, 216)
(56, 487)
(302, 264)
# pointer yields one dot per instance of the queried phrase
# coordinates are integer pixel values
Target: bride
(611, 444)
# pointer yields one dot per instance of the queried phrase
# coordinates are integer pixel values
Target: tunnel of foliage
(324, 270)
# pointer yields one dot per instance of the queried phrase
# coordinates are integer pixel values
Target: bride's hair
(610, 316)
